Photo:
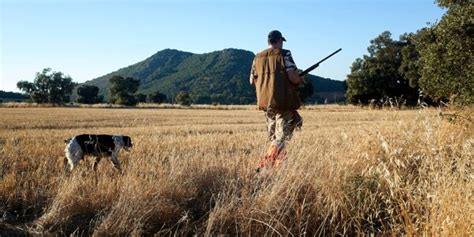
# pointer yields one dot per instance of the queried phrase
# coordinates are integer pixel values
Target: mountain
(216, 77)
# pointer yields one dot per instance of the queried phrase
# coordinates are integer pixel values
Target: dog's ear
(127, 140)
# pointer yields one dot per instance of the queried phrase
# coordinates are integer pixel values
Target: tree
(183, 98)
(141, 98)
(450, 3)
(157, 97)
(122, 90)
(446, 49)
(88, 94)
(48, 87)
(377, 76)
(409, 67)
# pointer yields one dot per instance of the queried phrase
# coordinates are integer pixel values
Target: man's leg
(286, 122)
(284, 126)
(280, 126)
(270, 119)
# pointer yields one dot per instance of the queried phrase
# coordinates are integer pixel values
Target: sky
(90, 38)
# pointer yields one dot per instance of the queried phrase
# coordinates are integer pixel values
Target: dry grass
(350, 171)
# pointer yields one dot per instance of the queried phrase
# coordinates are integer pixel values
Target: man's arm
(253, 76)
(253, 79)
(291, 69)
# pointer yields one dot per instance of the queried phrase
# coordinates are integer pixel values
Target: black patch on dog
(100, 145)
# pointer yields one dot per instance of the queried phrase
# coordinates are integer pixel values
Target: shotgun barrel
(317, 64)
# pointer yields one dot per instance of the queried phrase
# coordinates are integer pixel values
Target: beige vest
(274, 89)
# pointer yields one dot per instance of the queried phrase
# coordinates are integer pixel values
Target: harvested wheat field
(192, 171)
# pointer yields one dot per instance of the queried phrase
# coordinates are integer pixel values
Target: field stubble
(349, 171)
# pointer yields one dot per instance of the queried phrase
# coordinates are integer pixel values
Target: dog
(99, 146)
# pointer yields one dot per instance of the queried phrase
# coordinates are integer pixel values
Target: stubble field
(192, 171)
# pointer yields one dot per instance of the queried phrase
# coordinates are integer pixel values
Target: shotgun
(317, 64)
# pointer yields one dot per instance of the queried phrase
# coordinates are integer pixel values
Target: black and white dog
(95, 145)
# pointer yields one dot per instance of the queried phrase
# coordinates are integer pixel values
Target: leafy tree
(183, 98)
(377, 76)
(122, 90)
(88, 94)
(140, 97)
(410, 68)
(157, 97)
(32, 91)
(450, 3)
(446, 49)
(436, 61)
(48, 87)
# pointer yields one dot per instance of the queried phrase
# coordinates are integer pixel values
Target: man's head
(275, 39)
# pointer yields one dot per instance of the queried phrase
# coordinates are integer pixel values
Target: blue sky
(89, 38)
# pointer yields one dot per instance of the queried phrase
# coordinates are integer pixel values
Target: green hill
(6, 96)
(216, 77)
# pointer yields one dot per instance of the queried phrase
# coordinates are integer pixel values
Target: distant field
(350, 171)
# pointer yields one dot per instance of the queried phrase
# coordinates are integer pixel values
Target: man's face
(281, 43)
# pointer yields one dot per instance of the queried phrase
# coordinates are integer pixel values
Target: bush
(183, 98)
(88, 94)
(122, 90)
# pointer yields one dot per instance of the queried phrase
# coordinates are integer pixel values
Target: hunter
(276, 79)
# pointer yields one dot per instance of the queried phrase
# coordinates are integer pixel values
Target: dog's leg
(66, 164)
(97, 160)
(116, 164)
(115, 161)
(74, 153)
(75, 159)
(71, 160)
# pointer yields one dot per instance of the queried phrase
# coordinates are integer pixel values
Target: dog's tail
(67, 140)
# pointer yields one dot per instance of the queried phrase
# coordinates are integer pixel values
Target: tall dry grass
(350, 171)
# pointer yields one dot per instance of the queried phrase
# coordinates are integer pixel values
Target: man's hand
(253, 80)
(294, 77)
(303, 78)
(253, 74)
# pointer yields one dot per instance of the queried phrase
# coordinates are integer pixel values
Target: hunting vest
(274, 89)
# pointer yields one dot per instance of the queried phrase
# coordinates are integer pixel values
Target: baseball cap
(275, 35)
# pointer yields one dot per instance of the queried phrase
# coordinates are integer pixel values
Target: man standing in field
(276, 79)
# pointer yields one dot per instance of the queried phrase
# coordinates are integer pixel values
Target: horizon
(90, 39)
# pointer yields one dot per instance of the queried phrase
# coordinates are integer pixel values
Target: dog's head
(127, 143)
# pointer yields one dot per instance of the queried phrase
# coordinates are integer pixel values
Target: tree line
(56, 88)
(432, 65)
